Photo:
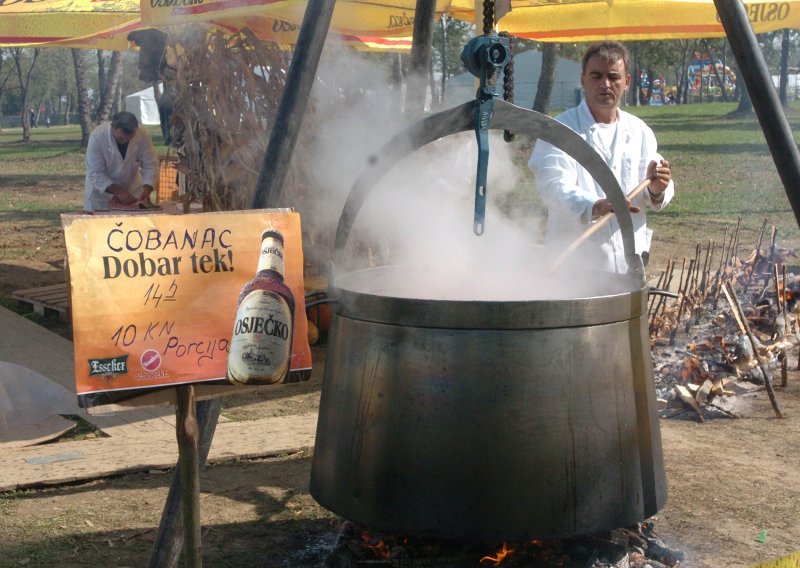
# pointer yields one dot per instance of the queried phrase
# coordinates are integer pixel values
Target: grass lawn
(51, 151)
(723, 170)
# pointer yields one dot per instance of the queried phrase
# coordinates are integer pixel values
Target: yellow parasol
(285, 34)
(95, 24)
(590, 20)
(543, 20)
(358, 18)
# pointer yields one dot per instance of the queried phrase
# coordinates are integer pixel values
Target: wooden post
(169, 539)
(424, 18)
(189, 466)
(291, 109)
(744, 325)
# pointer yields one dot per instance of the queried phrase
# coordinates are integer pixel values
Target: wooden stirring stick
(599, 224)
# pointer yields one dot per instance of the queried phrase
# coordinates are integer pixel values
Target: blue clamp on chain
(482, 56)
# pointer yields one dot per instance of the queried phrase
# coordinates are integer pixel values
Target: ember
(633, 547)
(743, 320)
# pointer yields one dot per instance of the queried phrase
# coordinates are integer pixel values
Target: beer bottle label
(271, 257)
(261, 346)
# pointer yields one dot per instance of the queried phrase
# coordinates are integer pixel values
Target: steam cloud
(420, 215)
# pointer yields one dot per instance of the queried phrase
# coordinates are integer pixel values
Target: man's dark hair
(125, 121)
(609, 51)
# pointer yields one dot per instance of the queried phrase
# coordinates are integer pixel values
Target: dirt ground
(729, 480)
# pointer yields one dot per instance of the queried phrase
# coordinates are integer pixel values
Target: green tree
(24, 63)
(83, 96)
(4, 77)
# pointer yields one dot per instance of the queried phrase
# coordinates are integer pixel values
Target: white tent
(143, 105)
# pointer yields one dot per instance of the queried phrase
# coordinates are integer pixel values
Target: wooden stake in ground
(662, 299)
(189, 465)
(780, 319)
(730, 294)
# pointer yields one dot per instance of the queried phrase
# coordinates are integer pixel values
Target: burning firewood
(733, 341)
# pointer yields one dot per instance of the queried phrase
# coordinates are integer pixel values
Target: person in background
(574, 200)
(121, 165)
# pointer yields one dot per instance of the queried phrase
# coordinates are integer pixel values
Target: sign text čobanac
(154, 296)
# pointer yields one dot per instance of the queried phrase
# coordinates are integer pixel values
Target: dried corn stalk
(228, 88)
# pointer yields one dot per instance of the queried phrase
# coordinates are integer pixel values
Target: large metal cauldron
(488, 419)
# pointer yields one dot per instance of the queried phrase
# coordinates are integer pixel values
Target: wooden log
(169, 539)
(189, 464)
(730, 294)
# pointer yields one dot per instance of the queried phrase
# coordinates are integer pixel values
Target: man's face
(604, 83)
(121, 136)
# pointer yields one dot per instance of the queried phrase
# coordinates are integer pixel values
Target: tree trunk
(24, 80)
(109, 91)
(745, 104)
(720, 80)
(784, 69)
(101, 80)
(724, 60)
(67, 106)
(547, 78)
(118, 103)
(436, 98)
(683, 80)
(83, 97)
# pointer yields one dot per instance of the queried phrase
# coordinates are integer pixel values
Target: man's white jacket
(105, 166)
(570, 192)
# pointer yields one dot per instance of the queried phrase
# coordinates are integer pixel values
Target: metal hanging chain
(508, 82)
(508, 72)
(488, 16)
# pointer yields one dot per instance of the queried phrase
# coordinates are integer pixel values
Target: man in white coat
(121, 164)
(574, 200)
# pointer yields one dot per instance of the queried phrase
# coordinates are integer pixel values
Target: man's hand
(147, 191)
(603, 206)
(120, 194)
(660, 176)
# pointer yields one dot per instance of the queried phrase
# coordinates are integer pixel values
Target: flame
(380, 549)
(499, 556)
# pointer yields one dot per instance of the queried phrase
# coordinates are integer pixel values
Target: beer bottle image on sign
(261, 345)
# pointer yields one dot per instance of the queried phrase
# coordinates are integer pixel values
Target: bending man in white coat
(116, 153)
(626, 143)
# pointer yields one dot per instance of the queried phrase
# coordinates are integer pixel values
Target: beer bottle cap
(272, 233)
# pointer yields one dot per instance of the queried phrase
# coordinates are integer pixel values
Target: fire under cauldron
(477, 420)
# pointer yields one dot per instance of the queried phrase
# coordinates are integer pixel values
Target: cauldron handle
(505, 117)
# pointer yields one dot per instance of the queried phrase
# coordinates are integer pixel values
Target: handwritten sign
(154, 297)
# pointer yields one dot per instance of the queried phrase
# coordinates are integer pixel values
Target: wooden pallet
(54, 298)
